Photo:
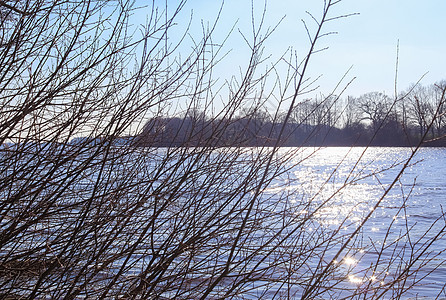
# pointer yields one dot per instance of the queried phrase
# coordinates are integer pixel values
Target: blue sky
(366, 42)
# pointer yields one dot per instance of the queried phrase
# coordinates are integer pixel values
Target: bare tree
(375, 108)
(419, 108)
(86, 212)
(436, 91)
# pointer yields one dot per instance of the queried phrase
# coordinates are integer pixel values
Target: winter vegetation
(92, 208)
(373, 119)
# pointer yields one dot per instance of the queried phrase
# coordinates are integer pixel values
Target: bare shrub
(90, 210)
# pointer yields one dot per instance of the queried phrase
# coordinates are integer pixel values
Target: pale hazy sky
(367, 41)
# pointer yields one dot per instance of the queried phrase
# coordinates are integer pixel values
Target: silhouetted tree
(87, 214)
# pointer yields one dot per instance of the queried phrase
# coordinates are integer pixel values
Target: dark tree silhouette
(87, 212)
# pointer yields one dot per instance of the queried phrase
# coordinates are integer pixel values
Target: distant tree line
(372, 119)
